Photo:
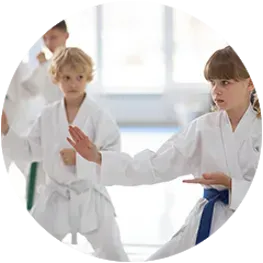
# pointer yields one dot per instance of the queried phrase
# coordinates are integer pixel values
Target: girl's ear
(251, 81)
(250, 85)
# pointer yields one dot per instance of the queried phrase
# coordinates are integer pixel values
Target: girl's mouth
(219, 101)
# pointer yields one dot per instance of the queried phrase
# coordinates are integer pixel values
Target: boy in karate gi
(221, 149)
(27, 96)
(39, 82)
(73, 201)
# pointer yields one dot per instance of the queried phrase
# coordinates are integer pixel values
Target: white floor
(148, 215)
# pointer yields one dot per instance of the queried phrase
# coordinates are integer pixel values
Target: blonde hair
(74, 57)
(226, 64)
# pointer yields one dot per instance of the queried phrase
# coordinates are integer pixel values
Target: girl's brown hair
(226, 64)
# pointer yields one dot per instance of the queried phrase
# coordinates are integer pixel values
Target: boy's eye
(66, 77)
(80, 77)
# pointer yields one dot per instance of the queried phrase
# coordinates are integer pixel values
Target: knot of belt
(71, 192)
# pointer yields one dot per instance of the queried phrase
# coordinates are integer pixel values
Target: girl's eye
(80, 77)
(66, 77)
(222, 83)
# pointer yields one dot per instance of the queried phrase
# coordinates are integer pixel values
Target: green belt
(31, 185)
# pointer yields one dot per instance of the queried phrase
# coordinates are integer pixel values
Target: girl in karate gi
(73, 201)
(221, 149)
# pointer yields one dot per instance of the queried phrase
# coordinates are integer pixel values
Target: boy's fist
(4, 124)
(68, 156)
(41, 58)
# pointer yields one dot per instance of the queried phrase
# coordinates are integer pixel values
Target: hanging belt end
(74, 240)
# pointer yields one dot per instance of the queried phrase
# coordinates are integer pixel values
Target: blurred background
(149, 62)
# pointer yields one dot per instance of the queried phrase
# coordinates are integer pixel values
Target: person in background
(16, 103)
(39, 84)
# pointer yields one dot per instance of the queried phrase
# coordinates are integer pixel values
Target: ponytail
(255, 103)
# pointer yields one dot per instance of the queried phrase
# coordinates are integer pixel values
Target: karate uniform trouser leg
(5, 163)
(48, 236)
(165, 251)
(106, 241)
(43, 235)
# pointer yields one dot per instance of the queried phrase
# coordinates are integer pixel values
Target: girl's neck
(74, 102)
(235, 115)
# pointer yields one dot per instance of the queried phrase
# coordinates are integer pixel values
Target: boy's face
(230, 94)
(71, 82)
(55, 38)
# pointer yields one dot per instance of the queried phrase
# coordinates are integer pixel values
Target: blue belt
(212, 196)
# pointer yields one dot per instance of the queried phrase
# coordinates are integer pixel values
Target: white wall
(175, 106)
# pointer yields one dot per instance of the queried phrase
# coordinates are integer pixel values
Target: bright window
(132, 47)
(142, 47)
(194, 43)
(82, 31)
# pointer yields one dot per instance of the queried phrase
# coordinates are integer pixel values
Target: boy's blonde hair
(73, 57)
(226, 64)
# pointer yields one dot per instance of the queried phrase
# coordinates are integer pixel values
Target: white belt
(70, 192)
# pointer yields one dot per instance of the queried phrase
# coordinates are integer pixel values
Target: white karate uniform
(39, 87)
(17, 107)
(40, 83)
(72, 200)
(206, 145)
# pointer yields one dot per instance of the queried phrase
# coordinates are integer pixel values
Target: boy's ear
(54, 80)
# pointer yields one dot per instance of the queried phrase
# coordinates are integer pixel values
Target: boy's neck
(52, 53)
(74, 102)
